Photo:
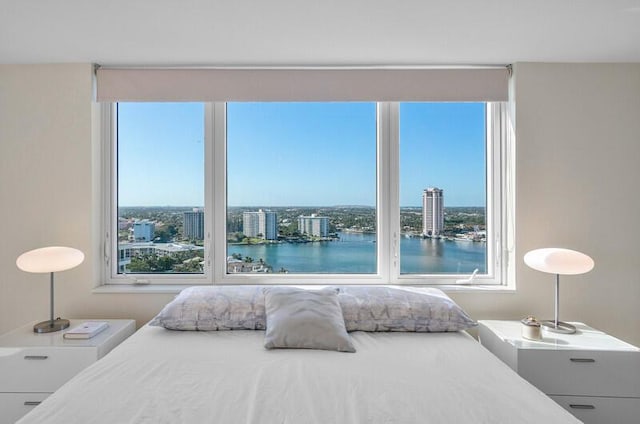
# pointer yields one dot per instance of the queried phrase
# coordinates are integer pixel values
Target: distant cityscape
(171, 239)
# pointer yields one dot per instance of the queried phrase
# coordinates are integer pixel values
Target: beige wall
(577, 175)
(578, 144)
(48, 195)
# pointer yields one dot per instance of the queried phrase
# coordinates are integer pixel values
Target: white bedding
(164, 376)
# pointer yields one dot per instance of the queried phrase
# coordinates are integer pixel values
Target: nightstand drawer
(597, 410)
(583, 372)
(14, 405)
(41, 369)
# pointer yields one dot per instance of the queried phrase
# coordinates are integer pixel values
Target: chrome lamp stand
(51, 325)
(555, 325)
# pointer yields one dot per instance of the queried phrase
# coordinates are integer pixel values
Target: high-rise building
(251, 224)
(314, 225)
(193, 224)
(260, 224)
(143, 230)
(432, 211)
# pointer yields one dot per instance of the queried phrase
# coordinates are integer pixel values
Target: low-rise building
(143, 230)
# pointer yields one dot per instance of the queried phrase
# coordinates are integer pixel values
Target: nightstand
(594, 376)
(32, 365)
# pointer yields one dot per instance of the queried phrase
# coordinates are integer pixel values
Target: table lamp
(558, 261)
(50, 259)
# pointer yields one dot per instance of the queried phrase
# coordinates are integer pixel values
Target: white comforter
(163, 376)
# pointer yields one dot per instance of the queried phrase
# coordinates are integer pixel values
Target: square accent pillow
(305, 319)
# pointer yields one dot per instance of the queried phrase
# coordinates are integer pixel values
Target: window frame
(498, 173)
(109, 119)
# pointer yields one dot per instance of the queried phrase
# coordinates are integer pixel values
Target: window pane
(160, 188)
(443, 190)
(301, 187)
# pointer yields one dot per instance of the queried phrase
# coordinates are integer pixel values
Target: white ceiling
(318, 32)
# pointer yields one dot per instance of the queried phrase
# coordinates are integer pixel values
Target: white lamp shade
(555, 260)
(50, 259)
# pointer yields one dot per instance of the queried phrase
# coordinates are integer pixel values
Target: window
(305, 192)
(158, 207)
(443, 188)
(301, 188)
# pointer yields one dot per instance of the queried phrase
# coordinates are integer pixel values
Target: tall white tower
(432, 211)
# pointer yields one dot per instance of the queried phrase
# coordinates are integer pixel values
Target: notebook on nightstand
(86, 330)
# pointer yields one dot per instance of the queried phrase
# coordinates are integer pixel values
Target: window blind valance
(300, 84)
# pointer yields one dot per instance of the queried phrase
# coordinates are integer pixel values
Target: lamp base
(51, 326)
(562, 327)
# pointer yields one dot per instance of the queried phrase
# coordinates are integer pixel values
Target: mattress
(164, 376)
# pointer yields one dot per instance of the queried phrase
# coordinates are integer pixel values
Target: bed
(167, 376)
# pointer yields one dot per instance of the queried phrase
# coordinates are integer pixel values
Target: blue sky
(442, 145)
(160, 154)
(299, 154)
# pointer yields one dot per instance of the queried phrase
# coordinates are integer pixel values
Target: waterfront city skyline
(348, 246)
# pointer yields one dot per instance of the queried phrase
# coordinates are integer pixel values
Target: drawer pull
(582, 360)
(36, 357)
(32, 402)
(578, 406)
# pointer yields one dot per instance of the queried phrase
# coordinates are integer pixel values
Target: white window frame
(388, 209)
(109, 128)
(494, 211)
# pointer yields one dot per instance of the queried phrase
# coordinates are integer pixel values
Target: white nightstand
(32, 366)
(594, 376)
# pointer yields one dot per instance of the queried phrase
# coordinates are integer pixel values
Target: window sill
(177, 288)
(140, 288)
(476, 289)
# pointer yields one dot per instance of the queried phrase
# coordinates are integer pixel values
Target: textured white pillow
(214, 308)
(305, 319)
(389, 308)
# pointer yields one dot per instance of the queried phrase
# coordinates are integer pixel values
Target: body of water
(356, 254)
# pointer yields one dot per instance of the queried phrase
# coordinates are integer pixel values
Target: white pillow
(214, 308)
(397, 308)
(305, 319)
